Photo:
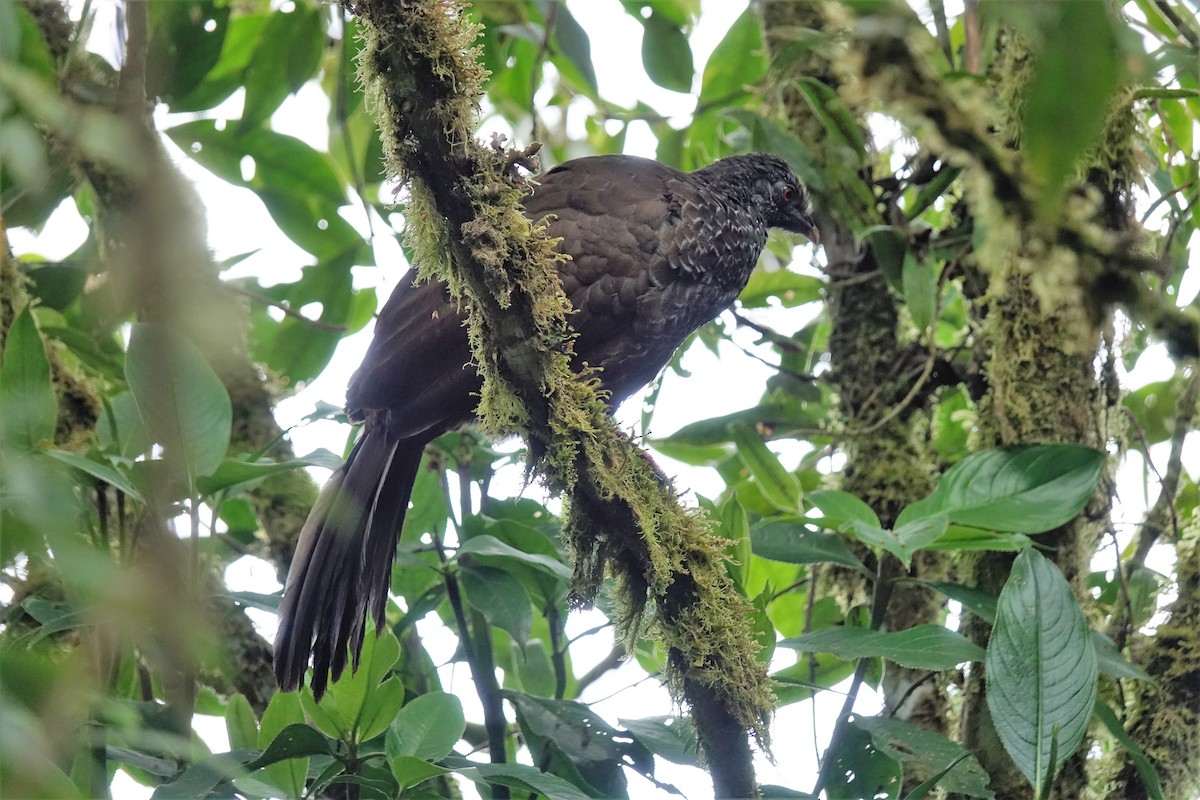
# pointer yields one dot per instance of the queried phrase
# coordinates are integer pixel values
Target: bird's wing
(618, 218)
(615, 215)
(418, 365)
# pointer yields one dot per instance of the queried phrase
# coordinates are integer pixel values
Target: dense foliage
(1003, 332)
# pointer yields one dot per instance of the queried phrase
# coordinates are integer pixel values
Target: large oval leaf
(739, 60)
(30, 407)
(780, 487)
(182, 401)
(1041, 668)
(920, 647)
(666, 54)
(1030, 489)
(427, 728)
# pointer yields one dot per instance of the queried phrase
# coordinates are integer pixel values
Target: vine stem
(477, 648)
(885, 576)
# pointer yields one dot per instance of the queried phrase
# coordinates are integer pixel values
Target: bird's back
(642, 240)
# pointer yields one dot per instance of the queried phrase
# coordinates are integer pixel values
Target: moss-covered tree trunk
(877, 355)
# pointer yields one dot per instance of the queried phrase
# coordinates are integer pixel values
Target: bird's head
(784, 199)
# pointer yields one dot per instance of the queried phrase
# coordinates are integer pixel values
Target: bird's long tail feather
(342, 567)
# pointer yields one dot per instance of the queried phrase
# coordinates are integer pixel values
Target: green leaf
(673, 738)
(666, 54)
(779, 487)
(52, 617)
(240, 723)
(922, 790)
(181, 400)
(361, 703)
(861, 770)
(22, 42)
(762, 629)
(294, 741)
(281, 162)
(30, 407)
(1027, 489)
(101, 354)
(1041, 667)
(930, 192)
(488, 547)
(1078, 70)
(792, 542)
(57, 285)
(925, 753)
(839, 508)
(905, 540)
(919, 280)
(233, 474)
(240, 43)
(1112, 663)
(964, 539)
(1154, 407)
(382, 706)
(833, 115)
(891, 253)
(185, 42)
(97, 469)
(500, 598)
(810, 676)
(427, 727)
(163, 767)
(517, 776)
(789, 288)
(920, 647)
(120, 430)
(780, 416)
(572, 730)
(283, 711)
(1145, 768)
(734, 528)
(288, 54)
(574, 43)
(535, 669)
(199, 780)
(739, 60)
(410, 771)
(979, 603)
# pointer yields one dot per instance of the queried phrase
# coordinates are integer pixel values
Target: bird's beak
(803, 224)
(812, 234)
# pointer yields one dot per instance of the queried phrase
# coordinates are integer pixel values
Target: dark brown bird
(654, 254)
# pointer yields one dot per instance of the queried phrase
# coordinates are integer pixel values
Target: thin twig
(285, 308)
(614, 659)
(880, 596)
(535, 74)
(589, 632)
(938, 7)
(1164, 198)
(809, 606)
(557, 651)
(494, 723)
(475, 639)
(912, 687)
(973, 42)
(1121, 633)
(1164, 505)
(1185, 30)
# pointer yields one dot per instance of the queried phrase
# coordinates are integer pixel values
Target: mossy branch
(420, 69)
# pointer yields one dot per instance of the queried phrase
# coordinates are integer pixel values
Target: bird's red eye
(788, 194)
